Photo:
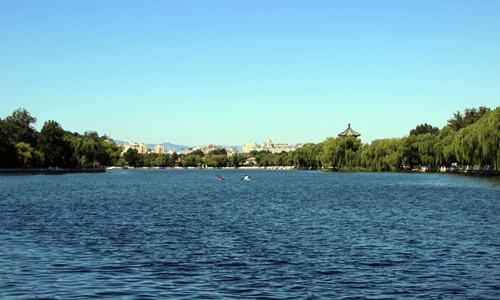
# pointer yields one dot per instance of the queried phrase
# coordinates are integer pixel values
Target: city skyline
(143, 147)
(192, 146)
(233, 72)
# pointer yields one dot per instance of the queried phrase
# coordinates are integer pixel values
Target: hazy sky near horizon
(236, 72)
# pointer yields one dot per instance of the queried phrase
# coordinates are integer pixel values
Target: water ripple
(181, 234)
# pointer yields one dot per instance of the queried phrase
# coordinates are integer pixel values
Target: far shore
(51, 170)
(203, 168)
(444, 170)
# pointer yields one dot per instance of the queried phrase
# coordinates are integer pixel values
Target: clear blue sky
(236, 72)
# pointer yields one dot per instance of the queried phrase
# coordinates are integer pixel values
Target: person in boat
(247, 177)
(219, 177)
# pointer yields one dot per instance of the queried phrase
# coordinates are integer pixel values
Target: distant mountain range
(170, 146)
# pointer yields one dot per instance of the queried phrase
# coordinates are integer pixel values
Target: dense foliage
(469, 139)
(22, 146)
(470, 116)
(194, 159)
(423, 129)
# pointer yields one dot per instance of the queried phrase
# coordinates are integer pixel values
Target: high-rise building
(159, 149)
(143, 148)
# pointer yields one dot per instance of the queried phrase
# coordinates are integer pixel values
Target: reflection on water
(145, 234)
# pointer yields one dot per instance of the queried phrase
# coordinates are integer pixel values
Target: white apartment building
(211, 147)
(204, 149)
(186, 151)
(207, 149)
(270, 146)
(231, 150)
(251, 146)
(131, 145)
(141, 148)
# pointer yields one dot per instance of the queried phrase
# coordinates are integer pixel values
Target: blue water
(183, 234)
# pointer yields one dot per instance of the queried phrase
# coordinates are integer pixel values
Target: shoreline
(185, 168)
(51, 171)
(103, 170)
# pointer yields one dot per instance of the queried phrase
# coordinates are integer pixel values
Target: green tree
(174, 159)
(191, 160)
(8, 152)
(471, 116)
(235, 160)
(308, 156)
(218, 151)
(198, 152)
(262, 160)
(113, 152)
(166, 160)
(131, 157)
(423, 129)
(286, 158)
(24, 127)
(444, 148)
(159, 162)
(16, 128)
(426, 150)
(382, 155)
(219, 161)
(57, 151)
(120, 162)
(340, 151)
(27, 156)
(408, 151)
(257, 154)
(479, 143)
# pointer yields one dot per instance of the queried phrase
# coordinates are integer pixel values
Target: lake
(183, 234)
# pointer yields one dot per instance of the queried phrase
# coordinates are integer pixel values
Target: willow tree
(382, 155)
(216, 161)
(340, 151)
(426, 152)
(306, 156)
(489, 137)
(467, 147)
(409, 151)
(479, 143)
(286, 158)
(330, 153)
(27, 156)
(444, 148)
(348, 146)
(189, 161)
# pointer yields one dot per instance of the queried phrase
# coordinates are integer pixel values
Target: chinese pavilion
(349, 131)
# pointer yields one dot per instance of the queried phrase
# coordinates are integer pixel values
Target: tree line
(217, 158)
(22, 146)
(471, 138)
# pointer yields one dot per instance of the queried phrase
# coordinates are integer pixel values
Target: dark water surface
(182, 234)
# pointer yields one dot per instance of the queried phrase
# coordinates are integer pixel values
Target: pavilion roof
(349, 131)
